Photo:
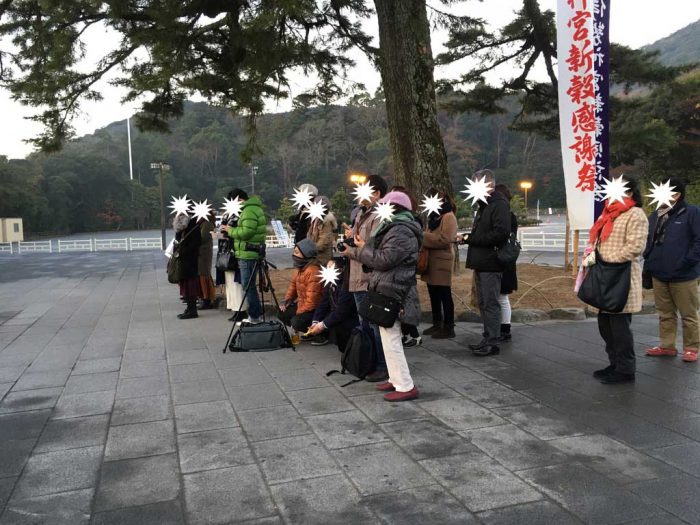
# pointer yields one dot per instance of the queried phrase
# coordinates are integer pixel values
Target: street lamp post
(161, 167)
(253, 173)
(526, 185)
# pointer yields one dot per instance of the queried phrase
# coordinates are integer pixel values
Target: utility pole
(128, 136)
(253, 172)
(161, 167)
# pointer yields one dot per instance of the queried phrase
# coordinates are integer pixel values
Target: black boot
(190, 312)
(206, 304)
(599, 374)
(436, 327)
(446, 332)
(505, 333)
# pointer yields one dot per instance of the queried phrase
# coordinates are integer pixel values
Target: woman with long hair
(509, 281)
(188, 237)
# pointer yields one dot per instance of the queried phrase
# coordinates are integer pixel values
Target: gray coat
(393, 262)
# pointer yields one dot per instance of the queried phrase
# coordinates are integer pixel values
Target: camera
(257, 248)
(345, 242)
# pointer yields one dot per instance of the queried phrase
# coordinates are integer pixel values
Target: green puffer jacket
(252, 228)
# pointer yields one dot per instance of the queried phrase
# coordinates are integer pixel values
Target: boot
(505, 333)
(446, 332)
(190, 312)
(206, 304)
(436, 326)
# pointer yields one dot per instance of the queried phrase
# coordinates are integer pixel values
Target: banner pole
(566, 243)
(574, 268)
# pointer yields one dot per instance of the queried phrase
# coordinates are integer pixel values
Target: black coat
(189, 241)
(509, 282)
(300, 223)
(491, 230)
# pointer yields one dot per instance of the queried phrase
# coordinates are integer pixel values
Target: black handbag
(380, 309)
(226, 261)
(260, 337)
(606, 285)
(510, 251)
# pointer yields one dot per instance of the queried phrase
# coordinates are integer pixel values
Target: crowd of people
(381, 259)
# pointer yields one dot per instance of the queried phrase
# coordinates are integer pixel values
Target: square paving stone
(132, 355)
(514, 448)
(198, 392)
(134, 482)
(294, 458)
(134, 369)
(317, 401)
(6, 485)
(587, 494)
(165, 513)
(79, 405)
(329, 499)
(13, 454)
(67, 508)
(141, 410)
(10, 374)
(480, 482)
(213, 449)
(80, 384)
(613, 459)
(4, 389)
(429, 506)
(188, 357)
(36, 380)
(536, 512)
(677, 495)
(193, 372)
(22, 425)
(256, 396)
(379, 411)
(381, 467)
(62, 434)
(214, 497)
(542, 422)
(688, 427)
(140, 439)
(248, 375)
(282, 361)
(300, 379)
(272, 423)
(461, 414)
(685, 457)
(426, 438)
(97, 366)
(59, 471)
(143, 387)
(634, 430)
(30, 400)
(492, 395)
(346, 429)
(204, 416)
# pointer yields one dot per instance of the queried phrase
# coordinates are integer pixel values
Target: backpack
(358, 357)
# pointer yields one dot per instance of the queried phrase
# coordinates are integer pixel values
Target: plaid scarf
(603, 226)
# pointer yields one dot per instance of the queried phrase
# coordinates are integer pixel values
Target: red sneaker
(660, 351)
(402, 396)
(385, 387)
(690, 356)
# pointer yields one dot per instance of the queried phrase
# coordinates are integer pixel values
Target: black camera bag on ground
(260, 337)
(359, 356)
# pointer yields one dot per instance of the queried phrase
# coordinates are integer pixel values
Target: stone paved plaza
(114, 411)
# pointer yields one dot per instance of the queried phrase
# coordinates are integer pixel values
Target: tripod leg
(245, 293)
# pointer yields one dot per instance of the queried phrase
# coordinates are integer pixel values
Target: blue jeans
(248, 275)
(381, 361)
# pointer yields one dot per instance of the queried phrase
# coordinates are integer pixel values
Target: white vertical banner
(577, 120)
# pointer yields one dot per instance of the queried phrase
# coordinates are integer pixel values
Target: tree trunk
(406, 67)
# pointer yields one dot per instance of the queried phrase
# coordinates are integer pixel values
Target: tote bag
(606, 285)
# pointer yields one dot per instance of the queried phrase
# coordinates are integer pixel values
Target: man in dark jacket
(672, 259)
(490, 231)
(300, 222)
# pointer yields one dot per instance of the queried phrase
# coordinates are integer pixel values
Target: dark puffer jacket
(490, 231)
(189, 241)
(393, 255)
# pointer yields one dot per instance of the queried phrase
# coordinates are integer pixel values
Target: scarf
(402, 216)
(602, 228)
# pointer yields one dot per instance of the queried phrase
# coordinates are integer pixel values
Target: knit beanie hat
(679, 186)
(308, 248)
(399, 198)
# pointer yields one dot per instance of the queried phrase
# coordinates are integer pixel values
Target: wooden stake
(574, 269)
(566, 243)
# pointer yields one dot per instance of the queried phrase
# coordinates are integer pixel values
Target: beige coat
(323, 234)
(365, 223)
(439, 243)
(626, 243)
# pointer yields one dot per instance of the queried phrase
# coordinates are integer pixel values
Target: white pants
(234, 293)
(396, 364)
(504, 302)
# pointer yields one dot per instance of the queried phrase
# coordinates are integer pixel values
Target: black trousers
(488, 290)
(619, 341)
(300, 322)
(441, 304)
(409, 329)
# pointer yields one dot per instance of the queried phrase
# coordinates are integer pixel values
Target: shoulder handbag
(174, 267)
(606, 285)
(226, 259)
(510, 251)
(380, 309)
(422, 264)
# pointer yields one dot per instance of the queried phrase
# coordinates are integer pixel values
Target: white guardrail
(543, 240)
(6, 247)
(34, 246)
(76, 245)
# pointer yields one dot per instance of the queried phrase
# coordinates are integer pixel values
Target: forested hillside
(679, 48)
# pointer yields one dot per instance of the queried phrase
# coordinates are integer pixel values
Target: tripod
(261, 272)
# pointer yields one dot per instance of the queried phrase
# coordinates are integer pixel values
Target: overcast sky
(633, 22)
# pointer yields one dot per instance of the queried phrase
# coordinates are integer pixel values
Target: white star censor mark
(662, 194)
(385, 211)
(329, 275)
(201, 210)
(432, 204)
(301, 199)
(477, 190)
(180, 205)
(316, 210)
(232, 207)
(363, 192)
(614, 189)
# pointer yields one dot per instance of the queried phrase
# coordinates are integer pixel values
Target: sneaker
(377, 376)
(486, 350)
(254, 320)
(305, 337)
(690, 356)
(658, 351)
(430, 330)
(385, 387)
(412, 341)
(478, 345)
(446, 332)
(599, 374)
(405, 338)
(319, 340)
(614, 378)
(402, 396)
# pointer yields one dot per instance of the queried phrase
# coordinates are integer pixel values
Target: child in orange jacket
(305, 290)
